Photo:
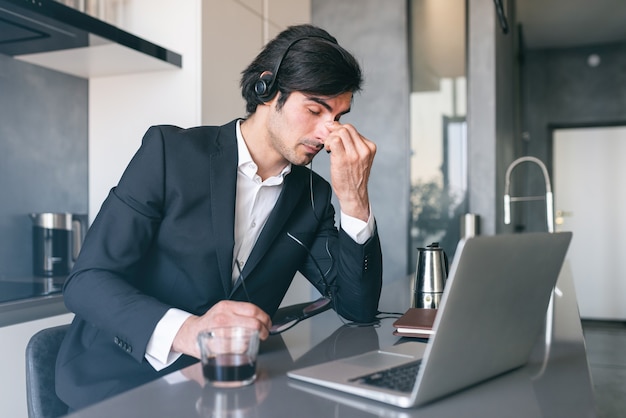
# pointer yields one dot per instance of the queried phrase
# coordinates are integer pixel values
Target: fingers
(346, 140)
(223, 313)
(351, 159)
(230, 313)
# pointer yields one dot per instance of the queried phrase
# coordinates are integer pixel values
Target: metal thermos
(57, 238)
(430, 276)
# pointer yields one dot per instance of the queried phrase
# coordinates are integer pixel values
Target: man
(208, 225)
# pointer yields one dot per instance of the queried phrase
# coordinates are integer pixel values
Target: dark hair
(316, 64)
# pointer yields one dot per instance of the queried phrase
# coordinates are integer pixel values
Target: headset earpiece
(264, 87)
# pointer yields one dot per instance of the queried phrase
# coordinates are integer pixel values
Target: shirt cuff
(356, 229)
(159, 350)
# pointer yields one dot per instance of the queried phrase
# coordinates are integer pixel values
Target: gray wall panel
(377, 35)
(43, 154)
(492, 121)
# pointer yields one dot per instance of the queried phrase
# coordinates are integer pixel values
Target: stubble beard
(290, 154)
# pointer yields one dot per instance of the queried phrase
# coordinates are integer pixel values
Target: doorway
(589, 182)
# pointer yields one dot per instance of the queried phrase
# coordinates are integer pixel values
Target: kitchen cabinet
(52, 35)
(12, 362)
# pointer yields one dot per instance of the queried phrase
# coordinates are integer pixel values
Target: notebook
(493, 309)
(416, 323)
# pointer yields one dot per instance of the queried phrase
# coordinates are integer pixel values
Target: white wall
(234, 32)
(122, 108)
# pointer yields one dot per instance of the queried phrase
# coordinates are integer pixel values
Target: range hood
(55, 36)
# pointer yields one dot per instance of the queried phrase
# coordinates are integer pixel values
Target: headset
(266, 86)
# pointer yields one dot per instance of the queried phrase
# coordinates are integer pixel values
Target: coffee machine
(57, 239)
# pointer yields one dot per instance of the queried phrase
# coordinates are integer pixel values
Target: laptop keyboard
(401, 378)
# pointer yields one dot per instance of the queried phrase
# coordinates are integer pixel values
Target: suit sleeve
(359, 278)
(354, 271)
(102, 287)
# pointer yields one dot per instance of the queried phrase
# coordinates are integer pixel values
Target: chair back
(41, 355)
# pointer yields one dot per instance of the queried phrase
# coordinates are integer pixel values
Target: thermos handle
(79, 228)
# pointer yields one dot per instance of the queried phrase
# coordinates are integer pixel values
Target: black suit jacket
(164, 238)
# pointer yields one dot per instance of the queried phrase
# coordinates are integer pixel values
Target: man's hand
(351, 160)
(223, 313)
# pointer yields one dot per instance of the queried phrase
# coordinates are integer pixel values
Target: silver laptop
(492, 311)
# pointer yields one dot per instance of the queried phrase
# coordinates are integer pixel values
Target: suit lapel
(223, 178)
(288, 199)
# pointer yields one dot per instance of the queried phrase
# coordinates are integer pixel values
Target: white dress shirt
(255, 200)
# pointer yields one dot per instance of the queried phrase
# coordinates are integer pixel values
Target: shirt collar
(246, 164)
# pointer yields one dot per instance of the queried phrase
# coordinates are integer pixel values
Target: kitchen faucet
(548, 197)
(550, 220)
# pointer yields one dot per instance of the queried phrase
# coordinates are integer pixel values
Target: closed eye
(317, 112)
